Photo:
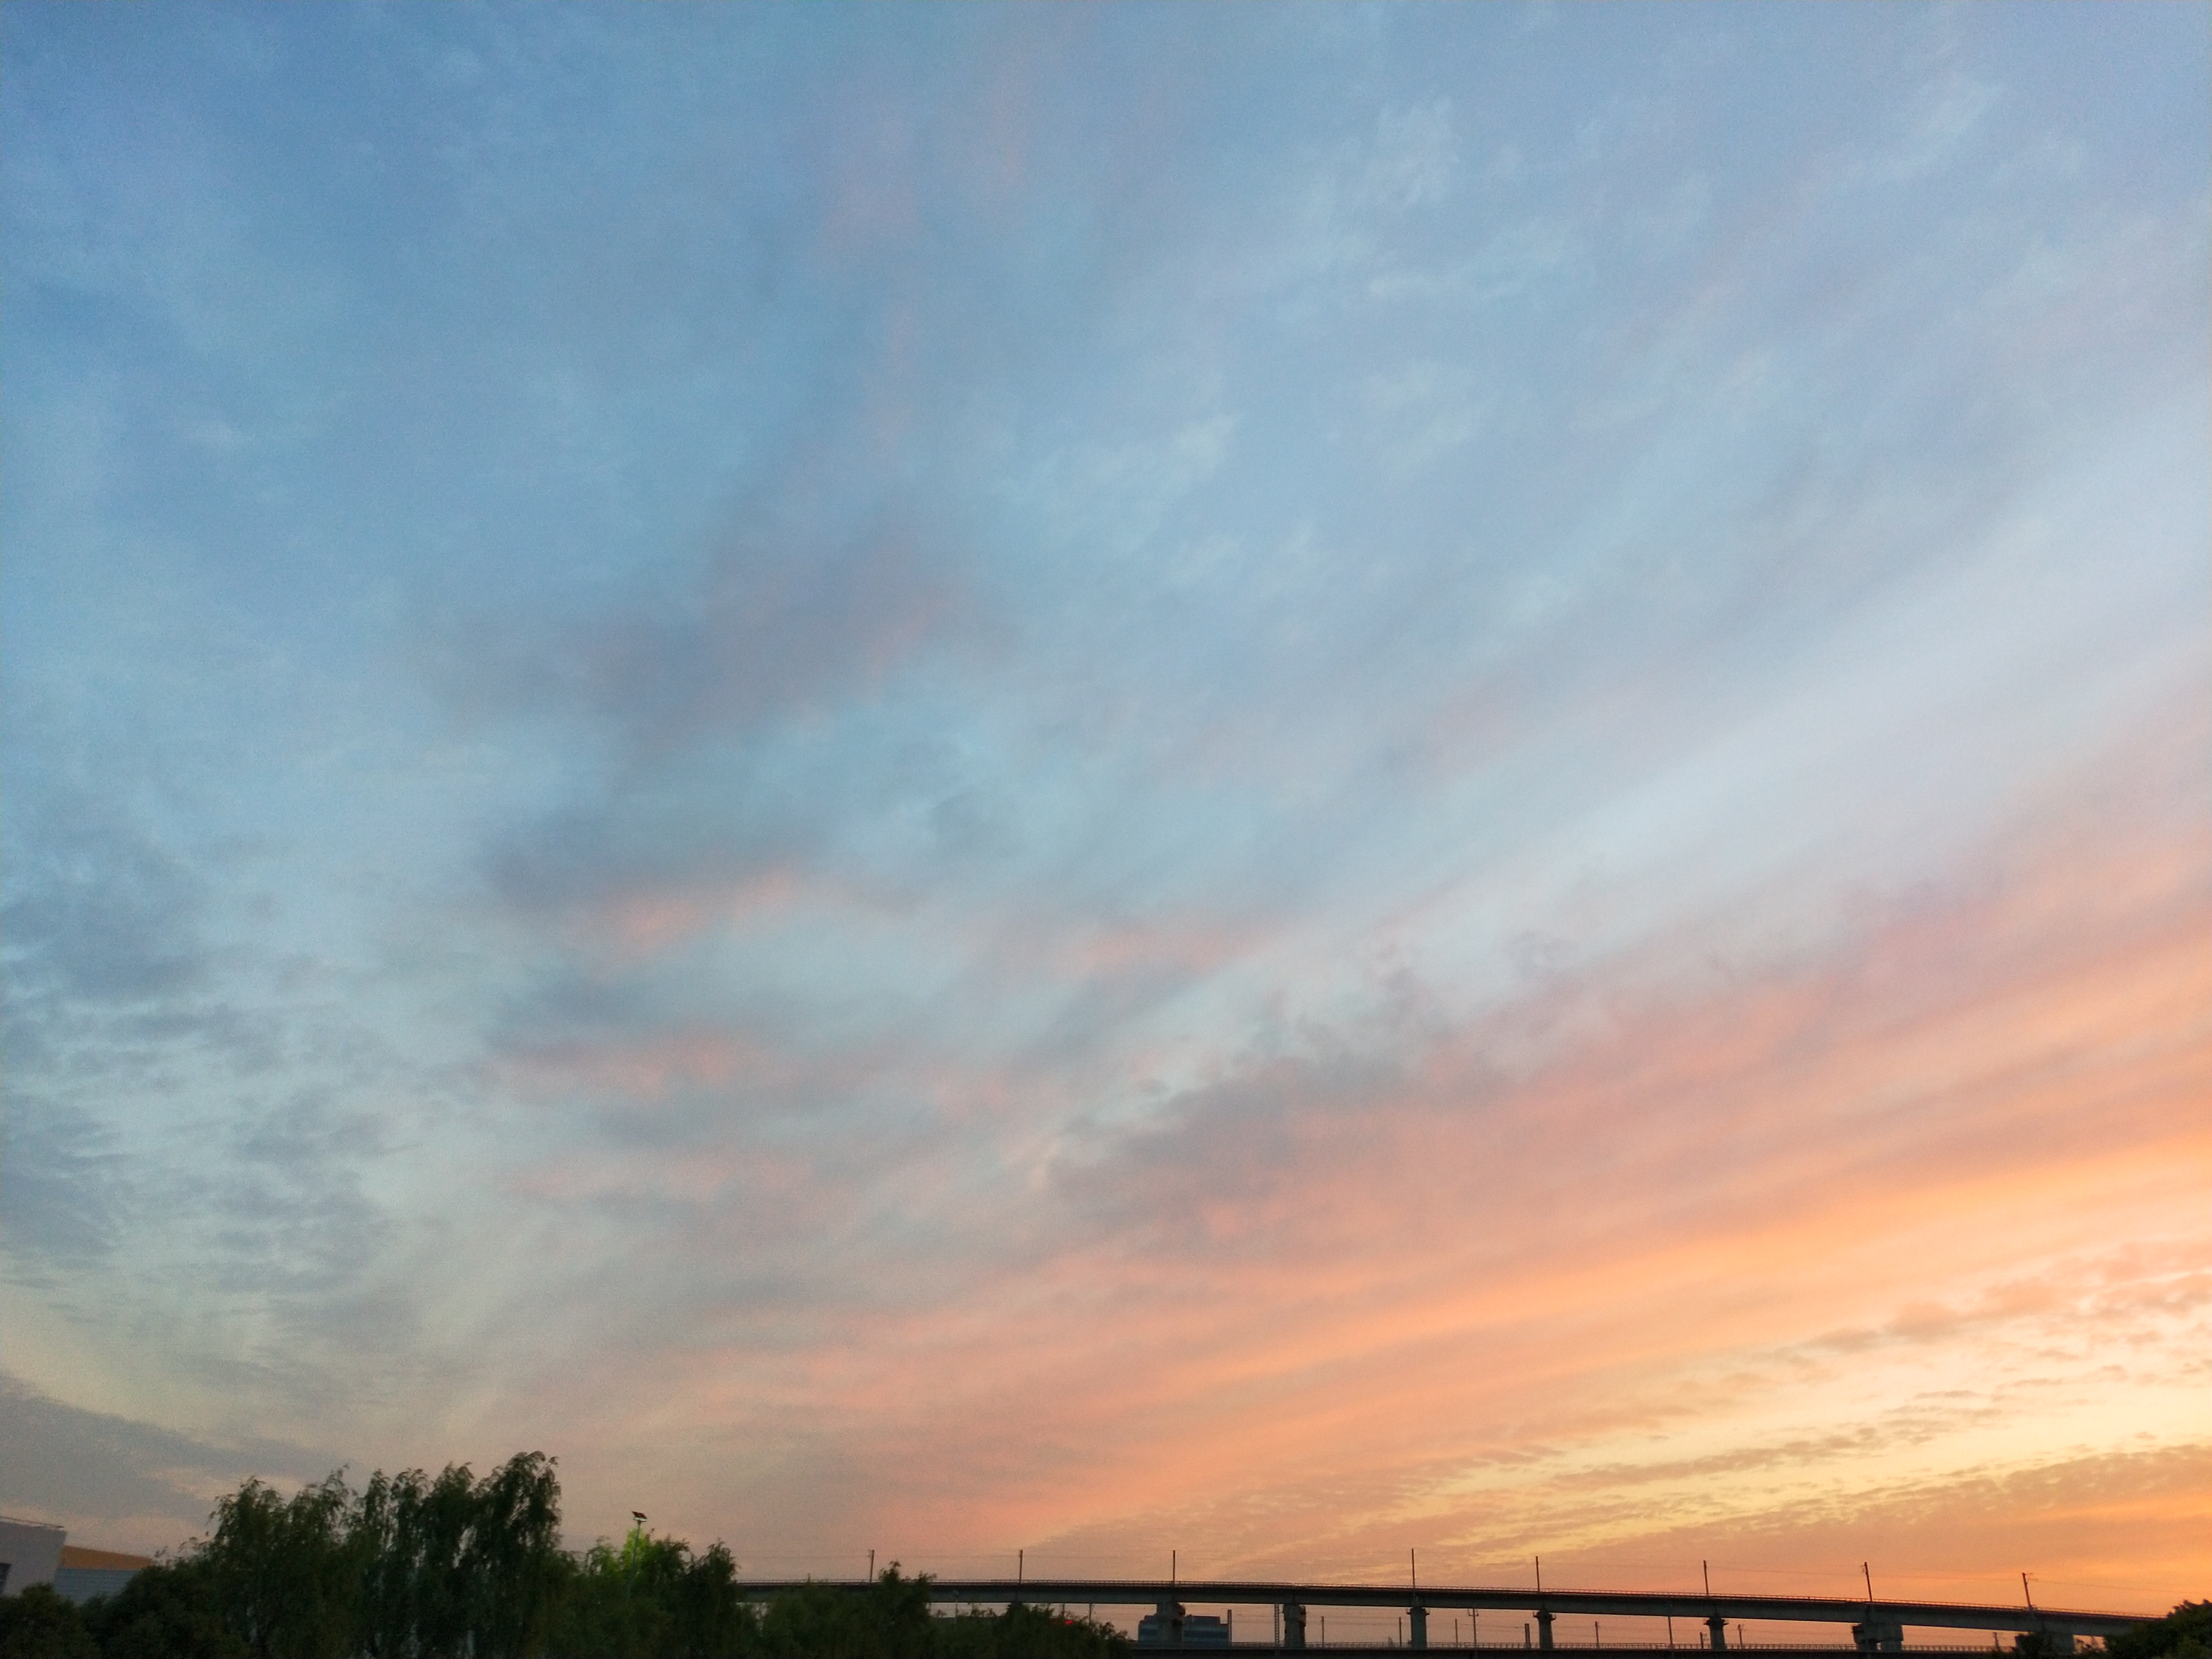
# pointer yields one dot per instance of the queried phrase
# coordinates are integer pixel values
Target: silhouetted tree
(37, 1624)
(1027, 1632)
(513, 1557)
(2185, 1634)
(287, 1573)
(413, 1534)
(713, 1620)
(458, 1568)
(889, 1620)
(167, 1611)
(455, 1567)
(651, 1599)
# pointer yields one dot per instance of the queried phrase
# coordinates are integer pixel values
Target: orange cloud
(1890, 1246)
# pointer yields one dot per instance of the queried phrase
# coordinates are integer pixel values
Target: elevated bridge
(1877, 1625)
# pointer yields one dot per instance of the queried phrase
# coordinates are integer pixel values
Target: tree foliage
(37, 1624)
(459, 1568)
(890, 1618)
(2185, 1634)
(167, 1611)
(455, 1566)
(653, 1599)
(285, 1572)
(1027, 1632)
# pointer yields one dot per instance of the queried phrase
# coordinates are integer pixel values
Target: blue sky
(750, 740)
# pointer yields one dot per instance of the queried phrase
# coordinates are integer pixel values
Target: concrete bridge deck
(1877, 1625)
(1364, 1649)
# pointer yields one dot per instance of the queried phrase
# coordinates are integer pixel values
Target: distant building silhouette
(1199, 1630)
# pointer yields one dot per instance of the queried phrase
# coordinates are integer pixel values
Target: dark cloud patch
(58, 1459)
(754, 727)
(1221, 1161)
(854, 806)
(767, 635)
(605, 850)
(771, 629)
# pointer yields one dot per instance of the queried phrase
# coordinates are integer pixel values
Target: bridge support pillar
(1718, 1625)
(1294, 1626)
(1544, 1630)
(1879, 1636)
(1420, 1626)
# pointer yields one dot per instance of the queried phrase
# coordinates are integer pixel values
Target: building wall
(30, 1552)
(83, 1584)
(86, 1573)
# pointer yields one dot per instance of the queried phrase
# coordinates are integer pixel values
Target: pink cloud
(1846, 1244)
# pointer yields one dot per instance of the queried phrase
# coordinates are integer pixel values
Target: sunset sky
(1279, 781)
